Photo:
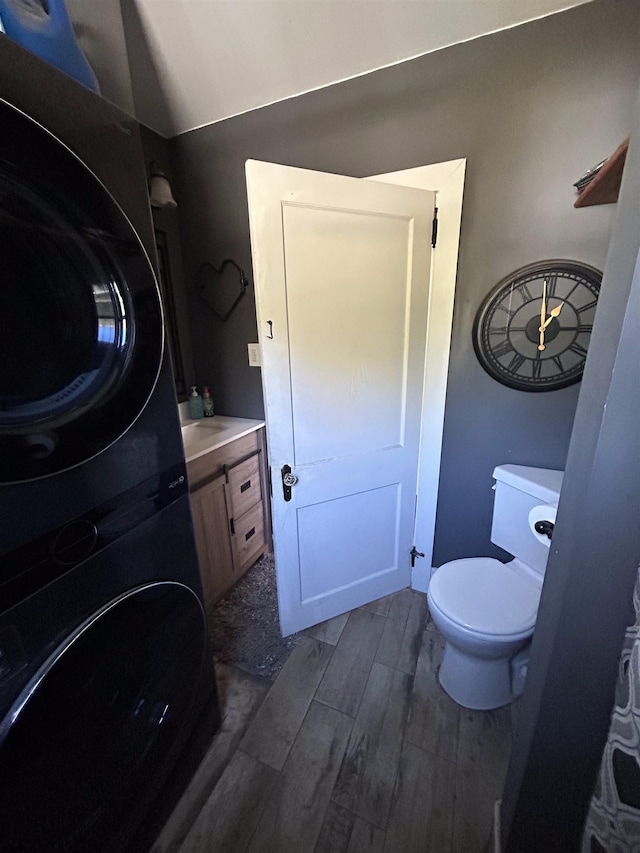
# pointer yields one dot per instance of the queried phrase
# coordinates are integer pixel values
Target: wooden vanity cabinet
(230, 509)
(209, 510)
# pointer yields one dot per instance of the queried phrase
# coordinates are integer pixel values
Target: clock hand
(552, 314)
(543, 314)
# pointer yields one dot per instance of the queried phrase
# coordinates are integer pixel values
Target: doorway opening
(245, 624)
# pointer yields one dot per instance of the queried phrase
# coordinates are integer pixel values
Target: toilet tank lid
(543, 483)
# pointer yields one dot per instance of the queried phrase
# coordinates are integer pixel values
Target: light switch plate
(254, 355)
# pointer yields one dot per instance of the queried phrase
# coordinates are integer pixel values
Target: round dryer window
(81, 330)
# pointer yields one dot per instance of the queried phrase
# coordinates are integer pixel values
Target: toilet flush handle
(545, 528)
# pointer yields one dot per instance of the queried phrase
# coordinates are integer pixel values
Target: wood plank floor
(354, 749)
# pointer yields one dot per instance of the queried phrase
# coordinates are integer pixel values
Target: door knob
(289, 479)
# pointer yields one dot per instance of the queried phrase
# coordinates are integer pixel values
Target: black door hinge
(434, 228)
(415, 553)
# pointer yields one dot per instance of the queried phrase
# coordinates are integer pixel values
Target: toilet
(486, 610)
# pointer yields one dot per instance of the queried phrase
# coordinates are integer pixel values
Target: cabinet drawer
(214, 462)
(244, 487)
(248, 535)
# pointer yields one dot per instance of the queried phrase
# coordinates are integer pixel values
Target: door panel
(336, 389)
(366, 526)
(342, 280)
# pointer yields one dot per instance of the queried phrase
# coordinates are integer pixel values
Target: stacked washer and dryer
(106, 679)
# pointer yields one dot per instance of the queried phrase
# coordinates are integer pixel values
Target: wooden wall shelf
(604, 188)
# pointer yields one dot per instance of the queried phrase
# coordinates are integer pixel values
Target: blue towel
(47, 31)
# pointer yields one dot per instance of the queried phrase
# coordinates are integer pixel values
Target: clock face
(532, 332)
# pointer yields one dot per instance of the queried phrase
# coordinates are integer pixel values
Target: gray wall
(530, 108)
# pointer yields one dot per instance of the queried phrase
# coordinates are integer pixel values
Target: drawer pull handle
(245, 486)
(249, 534)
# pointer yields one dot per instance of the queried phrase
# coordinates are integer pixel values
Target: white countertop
(202, 435)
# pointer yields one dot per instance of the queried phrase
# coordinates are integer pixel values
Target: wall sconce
(160, 194)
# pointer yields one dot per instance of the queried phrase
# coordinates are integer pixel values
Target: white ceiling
(213, 59)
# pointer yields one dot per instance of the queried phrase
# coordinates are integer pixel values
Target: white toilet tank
(518, 490)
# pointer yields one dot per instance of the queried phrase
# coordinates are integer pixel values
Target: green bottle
(207, 402)
(196, 405)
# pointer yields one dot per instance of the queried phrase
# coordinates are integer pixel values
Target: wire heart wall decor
(219, 286)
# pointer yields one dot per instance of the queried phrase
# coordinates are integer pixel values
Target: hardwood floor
(355, 748)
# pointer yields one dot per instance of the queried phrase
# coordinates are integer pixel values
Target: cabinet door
(209, 509)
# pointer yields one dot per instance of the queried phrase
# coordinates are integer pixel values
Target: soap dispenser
(207, 402)
(196, 405)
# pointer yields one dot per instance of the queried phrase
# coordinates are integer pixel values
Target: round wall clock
(532, 331)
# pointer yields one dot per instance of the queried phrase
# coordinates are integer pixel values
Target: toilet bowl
(485, 609)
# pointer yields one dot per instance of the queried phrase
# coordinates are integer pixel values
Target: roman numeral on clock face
(502, 349)
(578, 349)
(524, 291)
(516, 363)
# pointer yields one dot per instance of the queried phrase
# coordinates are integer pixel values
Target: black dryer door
(81, 330)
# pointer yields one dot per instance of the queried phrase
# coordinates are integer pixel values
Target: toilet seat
(486, 596)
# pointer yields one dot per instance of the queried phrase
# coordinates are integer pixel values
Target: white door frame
(447, 179)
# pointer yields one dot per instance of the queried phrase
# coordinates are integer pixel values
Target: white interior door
(341, 269)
